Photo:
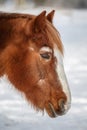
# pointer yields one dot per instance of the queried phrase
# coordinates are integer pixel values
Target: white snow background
(17, 114)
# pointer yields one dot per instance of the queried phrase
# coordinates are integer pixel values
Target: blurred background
(52, 3)
(71, 21)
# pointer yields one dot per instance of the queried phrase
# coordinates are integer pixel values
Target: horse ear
(39, 23)
(50, 16)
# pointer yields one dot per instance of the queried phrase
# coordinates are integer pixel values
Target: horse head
(33, 62)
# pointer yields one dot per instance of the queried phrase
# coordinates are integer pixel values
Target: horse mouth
(52, 112)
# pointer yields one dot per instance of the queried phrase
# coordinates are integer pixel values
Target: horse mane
(10, 25)
(53, 34)
(9, 16)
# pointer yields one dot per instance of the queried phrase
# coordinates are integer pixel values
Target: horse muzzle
(62, 109)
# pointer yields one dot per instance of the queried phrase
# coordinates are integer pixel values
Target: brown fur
(24, 67)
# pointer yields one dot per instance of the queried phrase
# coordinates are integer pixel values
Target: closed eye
(46, 55)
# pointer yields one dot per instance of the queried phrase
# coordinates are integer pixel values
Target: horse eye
(46, 56)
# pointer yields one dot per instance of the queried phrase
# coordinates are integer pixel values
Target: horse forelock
(54, 36)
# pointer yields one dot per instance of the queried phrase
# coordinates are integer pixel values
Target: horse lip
(50, 110)
(53, 112)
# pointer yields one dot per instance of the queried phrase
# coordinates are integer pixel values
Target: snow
(16, 113)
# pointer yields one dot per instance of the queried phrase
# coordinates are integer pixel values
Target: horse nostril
(61, 105)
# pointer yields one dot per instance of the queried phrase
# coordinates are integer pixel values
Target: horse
(31, 57)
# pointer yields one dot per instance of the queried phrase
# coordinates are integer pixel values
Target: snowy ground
(16, 114)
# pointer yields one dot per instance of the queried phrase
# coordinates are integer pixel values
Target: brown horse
(31, 56)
